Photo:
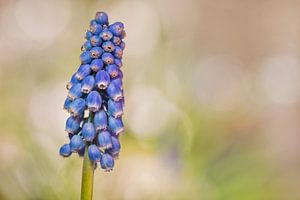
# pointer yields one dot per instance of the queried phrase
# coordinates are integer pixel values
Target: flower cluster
(95, 95)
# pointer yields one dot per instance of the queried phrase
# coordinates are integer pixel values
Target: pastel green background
(212, 99)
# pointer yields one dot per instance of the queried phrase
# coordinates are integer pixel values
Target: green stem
(87, 178)
(87, 174)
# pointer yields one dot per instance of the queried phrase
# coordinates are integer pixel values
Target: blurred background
(212, 99)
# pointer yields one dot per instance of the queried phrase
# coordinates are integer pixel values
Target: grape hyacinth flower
(95, 99)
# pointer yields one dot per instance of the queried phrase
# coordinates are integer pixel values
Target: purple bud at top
(87, 84)
(115, 109)
(96, 40)
(77, 107)
(101, 18)
(108, 58)
(65, 150)
(102, 79)
(67, 103)
(117, 28)
(112, 70)
(85, 57)
(75, 92)
(115, 125)
(118, 62)
(108, 46)
(96, 52)
(114, 92)
(104, 140)
(73, 125)
(96, 29)
(76, 143)
(100, 120)
(94, 153)
(88, 35)
(96, 65)
(106, 35)
(83, 71)
(116, 147)
(116, 40)
(122, 45)
(88, 131)
(86, 46)
(107, 162)
(94, 101)
(118, 53)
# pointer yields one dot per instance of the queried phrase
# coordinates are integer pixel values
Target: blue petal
(67, 103)
(77, 107)
(108, 46)
(65, 150)
(112, 70)
(106, 35)
(76, 143)
(94, 153)
(83, 71)
(88, 131)
(87, 84)
(85, 57)
(116, 147)
(115, 125)
(96, 41)
(94, 101)
(107, 162)
(73, 125)
(102, 79)
(114, 92)
(108, 58)
(75, 92)
(100, 120)
(101, 18)
(96, 29)
(104, 140)
(117, 28)
(97, 65)
(96, 52)
(115, 108)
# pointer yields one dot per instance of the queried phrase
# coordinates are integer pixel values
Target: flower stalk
(87, 177)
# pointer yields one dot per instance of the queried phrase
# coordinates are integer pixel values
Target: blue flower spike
(95, 98)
